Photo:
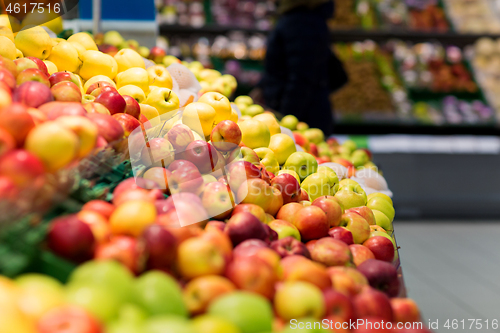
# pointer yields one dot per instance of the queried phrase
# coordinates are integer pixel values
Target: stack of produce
(480, 16)
(253, 235)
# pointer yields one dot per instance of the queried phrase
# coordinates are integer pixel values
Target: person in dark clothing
(300, 69)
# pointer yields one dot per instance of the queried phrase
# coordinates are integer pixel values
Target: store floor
(452, 270)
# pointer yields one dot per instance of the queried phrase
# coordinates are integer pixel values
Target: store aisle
(452, 271)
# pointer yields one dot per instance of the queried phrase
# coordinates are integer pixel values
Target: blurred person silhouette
(300, 68)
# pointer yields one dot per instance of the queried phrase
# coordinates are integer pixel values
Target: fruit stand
(140, 194)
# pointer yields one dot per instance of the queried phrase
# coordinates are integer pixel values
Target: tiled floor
(452, 270)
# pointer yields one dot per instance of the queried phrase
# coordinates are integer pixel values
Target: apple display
(71, 238)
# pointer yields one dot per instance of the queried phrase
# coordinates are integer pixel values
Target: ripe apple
(360, 253)
(357, 226)
(22, 167)
(290, 246)
(240, 172)
(331, 208)
(32, 94)
(71, 238)
(288, 211)
(342, 234)
(10, 65)
(297, 299)
(253, 209)
(381, 247)
(351, 196)
(339, 305)
(64, 76)
(158, 152)
(55, 109)
(331, 252)
(347, 280)
(218, 200)
(66, 91)
(198, 257)
(102, 207)
(180, 136)
(220, 103)
(259, 192)
(109, 128)
(226, 136)
(128, 122)
(97, 86)
(382, 205)
(96, 108)
(311, 222)
(160, 246)
(200, 292)
(159, 176)
(382, 221)
(288, 186)
(68, 319)
(202, 154)
(159, 76)
(184, 214)
(243, 154)
(243, 226)
(7, 78)
(7, 142)
(85, 130)
(284, 229)
(405, 310)
(364, 212)
(299, 268)
(302, 163)
(164, 100)
(113, 101)
(252, 274)
(381, 275)
(185, 180)
(371, 302)
(32, 74)
(124, 249)
(101, 89)
(40, 65)
(157, 54)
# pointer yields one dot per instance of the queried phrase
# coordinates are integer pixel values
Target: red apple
(66, 92)
(7, 142)
(313, 149)
(157, 152)
(202, 154)
(108, 49)
(331, 252)
(156, 54)
(181, 165)
(344, 162)
(21, 166)
(299, 268)
(381, 275)
(185, 180)
(360, 253)
(288, 186)
(253, 209)
(301, 140)
(128, 122)
(405, 310)
(24, 63)
(323, 159)
(364, 212)
(132, 107)
(252, 274)
(100, 206)
(124, 249)
(33, 94)
(96, 85)
(226, 136)
(180, 136)
(32, 74)
(8, 190)
(71, 238)
(109, 128)
(215, 225)
(112, 100)
(339, 305)
(304, 196)
(342, 234)
(7, 78)
(160, 246)
(243, 226)
(103, 88)
(240, 172)
(200, 292)
(311, 222)
(381, 247)
(290, 246)
(331, 208)
(16, 120)
(55, 110)
(62, 77)
(68, 319)
(347, 280)
(40, 64)
(218, 200)
(159, 176)
(371, 302)
(288, 211)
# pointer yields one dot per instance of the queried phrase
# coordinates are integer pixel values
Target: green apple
(382, 220)
(250, 312)
(284, 229)
(314, 135)
(299, 299)
(268, 159)
(351, 196)
(212, 324)
(302, 126)
(253, 110)
(304, 164)
(320, 184)
(143, 51)
(331, 173)
(130, 320)
(244, 100)
(349, 146)
(113, 38)
(290, 122)
(324, 149)
(168, 324)
(98, 300)
(110, 274)
(159, 294)
(359, 157)
(382, 195)
(381, 204)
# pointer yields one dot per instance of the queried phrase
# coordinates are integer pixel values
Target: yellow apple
(133, 91)
(283, 146)
(97, 78)
(136, 76)
(65, 57)
(254, 134)
(7, 48)
(159, 77)
(209, 75)
(200, 117)
(85, 40)
(163, 99)
(79, 48)
(150, 113)
(128, 58)
(85, 129)
(220, 103)
(20, 55)
(51, 67)
(271, 122)
(6, 32)
(170, 59)
(98, 63)
(34, 42)
(234, 116)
